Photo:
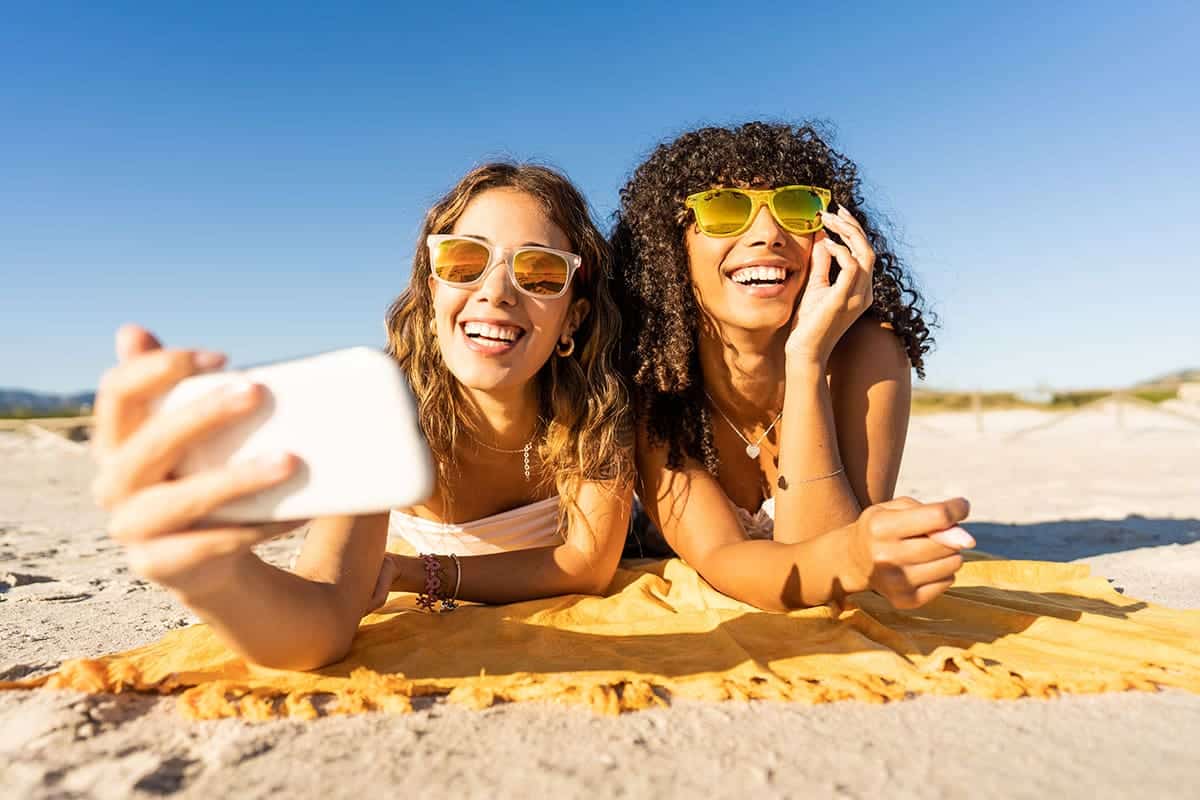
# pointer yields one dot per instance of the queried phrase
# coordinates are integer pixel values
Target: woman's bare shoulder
(870, 345)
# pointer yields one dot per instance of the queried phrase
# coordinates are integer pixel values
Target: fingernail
(238, 389)
(278, 464)
(958, 537)
(207, 359)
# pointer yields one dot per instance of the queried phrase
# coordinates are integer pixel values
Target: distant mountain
(22, 401)
(1174, 378)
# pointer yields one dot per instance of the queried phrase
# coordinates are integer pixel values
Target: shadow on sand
(1070, 539)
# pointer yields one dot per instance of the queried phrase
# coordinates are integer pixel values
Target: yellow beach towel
(1006, 629)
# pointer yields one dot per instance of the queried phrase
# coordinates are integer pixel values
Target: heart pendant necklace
(752, 448)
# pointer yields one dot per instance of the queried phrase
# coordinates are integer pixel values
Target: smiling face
(751, 281)
(492, 336)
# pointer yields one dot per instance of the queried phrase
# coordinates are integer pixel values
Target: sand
(1118, 491)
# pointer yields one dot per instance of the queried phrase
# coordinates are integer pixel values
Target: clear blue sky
(250, 176)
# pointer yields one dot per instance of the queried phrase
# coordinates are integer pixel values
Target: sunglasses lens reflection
(460, 260)
(541, 273)
(798, 210)
(722, 212)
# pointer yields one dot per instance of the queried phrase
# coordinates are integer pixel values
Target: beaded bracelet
(434, 592)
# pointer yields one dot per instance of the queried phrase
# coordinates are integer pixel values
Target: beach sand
(1120, 491)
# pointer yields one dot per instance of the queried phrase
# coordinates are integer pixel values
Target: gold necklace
(524, 451)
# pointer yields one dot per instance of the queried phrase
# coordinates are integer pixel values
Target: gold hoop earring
(565, 352)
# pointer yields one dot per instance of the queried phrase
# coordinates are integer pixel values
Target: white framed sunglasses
(540, 272)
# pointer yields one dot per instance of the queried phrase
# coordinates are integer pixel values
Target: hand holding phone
(348, 415)
(195, 472)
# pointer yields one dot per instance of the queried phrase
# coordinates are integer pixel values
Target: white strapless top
(534, 525)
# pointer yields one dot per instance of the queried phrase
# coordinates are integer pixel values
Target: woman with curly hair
(769, 341)
(508, 335)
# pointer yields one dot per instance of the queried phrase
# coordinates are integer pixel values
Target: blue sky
(251, 177)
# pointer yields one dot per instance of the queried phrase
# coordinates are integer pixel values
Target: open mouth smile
(761, 280)
(491, 338)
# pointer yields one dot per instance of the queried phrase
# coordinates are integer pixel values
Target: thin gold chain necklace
(524, 451)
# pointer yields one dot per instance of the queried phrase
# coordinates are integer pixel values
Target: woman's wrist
(852, 576)
(410, 575)
(804, 368)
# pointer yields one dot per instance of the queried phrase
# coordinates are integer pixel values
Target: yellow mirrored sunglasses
(728, 211)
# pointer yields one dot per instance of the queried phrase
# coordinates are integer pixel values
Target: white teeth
(505, 333)
(750, 274)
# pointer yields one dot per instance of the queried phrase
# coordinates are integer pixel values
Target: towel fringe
(1007, 630)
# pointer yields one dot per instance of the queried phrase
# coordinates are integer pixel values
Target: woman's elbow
(594, 584)
(593, 579)
(316, 655)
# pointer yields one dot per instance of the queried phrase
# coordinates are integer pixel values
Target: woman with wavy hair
(768, 342)
(507, 333)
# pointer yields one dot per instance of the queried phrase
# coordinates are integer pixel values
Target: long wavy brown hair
(659, 349)
(581, 397)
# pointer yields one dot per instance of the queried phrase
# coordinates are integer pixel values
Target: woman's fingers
(863, 250)
(854, 282)
(383, 584)
(930, 591)
(918, 584)
(917, 550)
(846, 226)
(857, 247)
(820, 264)
(177, 505)
(933, 571)
(851, 275)
(844, 213)
(955, 537)
(123, 400)
(152, 451)
(916, 547)
(898, 503)
(919, 520)
(134, 340)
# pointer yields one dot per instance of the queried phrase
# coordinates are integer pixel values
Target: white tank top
(534, 525)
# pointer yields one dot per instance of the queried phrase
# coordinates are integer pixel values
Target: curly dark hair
(659, 349)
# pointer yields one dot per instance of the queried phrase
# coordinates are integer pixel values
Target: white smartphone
(351, 418)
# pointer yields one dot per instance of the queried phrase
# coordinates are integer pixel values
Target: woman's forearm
(809, 499)
(775, 576)
(513, 576)
(276, 618)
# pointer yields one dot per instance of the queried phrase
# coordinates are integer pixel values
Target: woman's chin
(490, 377)
(759, 320)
